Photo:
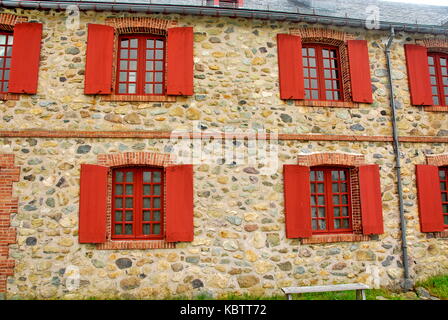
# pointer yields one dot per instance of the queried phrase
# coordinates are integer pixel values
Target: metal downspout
(407, 282)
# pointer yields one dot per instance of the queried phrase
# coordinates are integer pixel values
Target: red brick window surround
(146, 220)
(339, 195)
(139, 62)
(9, 174)
(7, 22)
(334, 76)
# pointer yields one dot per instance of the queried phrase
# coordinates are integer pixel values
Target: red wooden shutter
(25, 58)
(179, 78)
(93, 204)
(371, 201)
(360, 80)
(418, 75)
(99, 60)
(290, 67)
(429, 198)
(297, 201)
(179, 203)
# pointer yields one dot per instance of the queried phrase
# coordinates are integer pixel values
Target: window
(443, 175)
(137, 203)
(141, 65)
(225, 3)
(322, 73)
(330, 200)
(438, 71)
(6, 40)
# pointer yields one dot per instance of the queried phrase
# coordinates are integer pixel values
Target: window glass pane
(146, 229)
(313, 73)
(307, 94)
(159, 65)
(311, 52)
(336, 212)
(131, 88)
(445, 220)
(337, 224)
(342, 175)
(129, 190)
(305, 62)
(149, 77)
(149, 88)
(122, 88)
(146, 215)
(443, 186)
(320, 200)
(326, 63)
(157, 190)
(146, 190)
(132, 65)
(315, 94)
(156, 228)
(146, 203)
(6, 75)
(156, 216)
(133, 54)
(329, 95)
(123, 65)
(118, 189)
(159, 77)
(123, 76)
(312, 62)
(147, 176)
(123, 54)
(344, 211)
(321, 212)
(129, 216)
(132, 76)
(149, 65)
(444, 73)
(445, 208)
(314, 224)
(328, 84)
(129, 176)
(305, 72)
(319, 175)
(124, 43)
(129, 203)
(327, 74)
(442, 174)
(158, 89)
(344, 199)
(5, 86)
(430, 60)
(312, 176)
(433, 80)
(432, 70)
(2, 39)
(322, 225)
(445, 81)
(157, 177)
(150, 43)
(345, 223)
(10, 40)
(335, 175)
(307, 83)
(335, 187)
(157, 203)
(442, 61)
(118, 216)
(118, 203)
(128, 229)
(335, 199)
(343, 187)
(325, 53)
(134, 43)
(320, 188)
(313, 84)
(435, 100)
(159, 54)
(118, 229)
(314, 210)
(149, 54)
(159, 44)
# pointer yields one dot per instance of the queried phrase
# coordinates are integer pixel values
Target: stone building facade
(240, 243)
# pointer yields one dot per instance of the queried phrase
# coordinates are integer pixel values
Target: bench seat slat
(335, 287)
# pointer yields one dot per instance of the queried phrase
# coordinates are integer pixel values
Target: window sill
(329, 238)
(438, 235)
(142, 98)
(135, 245)
(9, 96)
(437, 108)
(330, 104)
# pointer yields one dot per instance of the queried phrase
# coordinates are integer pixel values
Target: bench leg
(360, 295)
(288, 296)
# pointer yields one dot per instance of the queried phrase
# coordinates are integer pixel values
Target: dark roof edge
(224, 12)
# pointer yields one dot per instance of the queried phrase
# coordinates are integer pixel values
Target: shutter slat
(290, 67)
(179, 203)
(429, 198)
(179, 57)
(360, 79)
(93, 204)
(371, 200)
(25, 58)
(297, 201)
(418, 75)
(99, 60)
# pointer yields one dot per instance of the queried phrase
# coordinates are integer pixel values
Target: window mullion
(439, 76)
(141, 65)
(138, 202)
(328, 200)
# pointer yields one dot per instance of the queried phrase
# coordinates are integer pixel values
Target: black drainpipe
(407, 282)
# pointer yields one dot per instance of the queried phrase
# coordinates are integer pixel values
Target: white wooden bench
(359, 287)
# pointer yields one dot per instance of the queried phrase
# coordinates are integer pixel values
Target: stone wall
(240, 244)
